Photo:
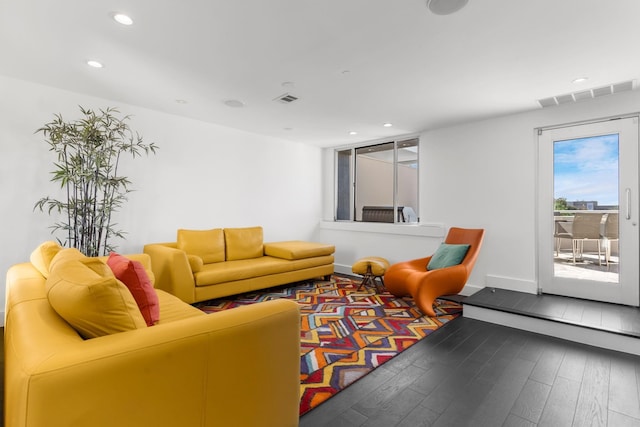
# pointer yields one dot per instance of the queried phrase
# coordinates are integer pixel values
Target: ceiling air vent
(597, 92)
(601, 91)
(286, 98)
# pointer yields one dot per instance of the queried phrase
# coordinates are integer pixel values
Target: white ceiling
(354, 64)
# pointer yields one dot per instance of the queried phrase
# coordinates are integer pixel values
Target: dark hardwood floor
(473, 373)
(618, 319)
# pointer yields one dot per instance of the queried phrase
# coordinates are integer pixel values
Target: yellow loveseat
(239, 367)
(208, 264)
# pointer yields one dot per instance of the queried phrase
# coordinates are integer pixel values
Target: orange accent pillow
(133, 275)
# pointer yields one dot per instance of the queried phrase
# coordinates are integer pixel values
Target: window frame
(352, 184)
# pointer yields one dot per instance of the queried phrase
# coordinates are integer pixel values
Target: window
(378, 182)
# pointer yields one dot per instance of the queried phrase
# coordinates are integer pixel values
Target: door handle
(628, 191)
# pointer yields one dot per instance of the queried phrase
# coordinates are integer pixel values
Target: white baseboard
(342, 269)
(593, 337)
(512, 284)
(470, 289)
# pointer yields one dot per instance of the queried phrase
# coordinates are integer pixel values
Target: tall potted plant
(88, 154)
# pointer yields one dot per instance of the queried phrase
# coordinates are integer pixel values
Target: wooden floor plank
(496, 406)
(421, 416)
(620, 420)
(591, 409)
(531, 401)
(611, 318)
(548, 365)
(573, 363)
(388, 392)
(395, 409)
(592, 315)
(560, 406)
(515, 421)
(574, 311)
(348, 418)
(623, 388)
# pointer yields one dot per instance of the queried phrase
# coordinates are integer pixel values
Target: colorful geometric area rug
(345, 333)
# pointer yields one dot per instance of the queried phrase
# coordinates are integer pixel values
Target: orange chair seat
(411, 278)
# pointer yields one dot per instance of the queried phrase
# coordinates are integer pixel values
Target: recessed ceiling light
(181, 101)
(233, 103)
(123, 19)
(579, 80)
(94, 64)
(387, 125)
(353, 132)
(445, 7)
(288, 85)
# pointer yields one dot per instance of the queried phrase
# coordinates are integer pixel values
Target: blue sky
(587, 169)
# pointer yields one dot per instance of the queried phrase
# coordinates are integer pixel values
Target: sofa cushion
(447, 255)
(134, 277)
(173, 308)
(231, 271)
(64, 255)
(297, 249)
(243, 243)
(42, 255)
(301, 264)
(85, 293)
(206, 244)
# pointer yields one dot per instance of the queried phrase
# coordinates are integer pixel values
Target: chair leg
(382, 281)
(367, 278)
(599, 252)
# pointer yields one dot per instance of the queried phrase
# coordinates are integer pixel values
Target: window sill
(420, 229)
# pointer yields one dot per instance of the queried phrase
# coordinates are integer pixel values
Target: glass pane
(408, 179)
(343, 205)
(374, 183)
(586, 208)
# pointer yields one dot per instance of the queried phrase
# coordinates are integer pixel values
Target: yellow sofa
(207, 264)
(239, 367)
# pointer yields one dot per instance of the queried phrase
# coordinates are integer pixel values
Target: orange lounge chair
(413, 278)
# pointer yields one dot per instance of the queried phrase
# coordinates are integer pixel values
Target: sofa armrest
(171, 270)
(236, 367)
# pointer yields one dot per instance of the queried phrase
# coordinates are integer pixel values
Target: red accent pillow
(133, 275)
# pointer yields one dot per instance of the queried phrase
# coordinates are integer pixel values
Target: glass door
(588, 211)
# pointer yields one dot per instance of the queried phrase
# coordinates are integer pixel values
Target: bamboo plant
(88, 155)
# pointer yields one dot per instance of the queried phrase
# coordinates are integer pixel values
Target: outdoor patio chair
(586, 227)
(609, 235)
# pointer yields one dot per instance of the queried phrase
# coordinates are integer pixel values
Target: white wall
(203, 176)
(483, 175)
(474, 175)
